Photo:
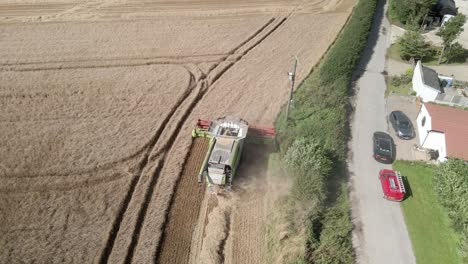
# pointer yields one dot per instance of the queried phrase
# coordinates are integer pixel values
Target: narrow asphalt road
(380, 235)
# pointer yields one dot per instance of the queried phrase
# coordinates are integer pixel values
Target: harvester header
(227, 137)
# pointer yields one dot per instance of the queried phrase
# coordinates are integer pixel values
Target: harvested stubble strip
(184, 210)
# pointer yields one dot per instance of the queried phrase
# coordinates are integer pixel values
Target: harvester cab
(227, 137)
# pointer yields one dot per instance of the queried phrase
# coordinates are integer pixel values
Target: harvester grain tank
(227, 138)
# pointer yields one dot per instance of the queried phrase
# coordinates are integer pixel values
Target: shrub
(343, 57)
(313, 141)
(399, 11)
(452, 29)
(412, 45)
(455, 53)
(334, 246)
(310, 166)
(409, 72)
(449, 32)
(410, 12)
(320, 102)
(404, 79)
(395, 80)
(451, 180)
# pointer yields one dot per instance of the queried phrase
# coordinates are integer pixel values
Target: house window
(423, 121)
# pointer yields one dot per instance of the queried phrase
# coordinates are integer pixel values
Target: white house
(426, 83)
(444, 129)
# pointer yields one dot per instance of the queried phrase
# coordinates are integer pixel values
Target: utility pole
(292, 78)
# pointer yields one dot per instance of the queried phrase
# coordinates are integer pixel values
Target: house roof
(431, 78)
(454, 123)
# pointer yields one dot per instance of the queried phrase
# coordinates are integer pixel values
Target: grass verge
(401, 89)
(434, 241)
(285, 243)
(313, 149)
(401, 84)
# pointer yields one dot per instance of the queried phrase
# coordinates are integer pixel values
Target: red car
(392, 185)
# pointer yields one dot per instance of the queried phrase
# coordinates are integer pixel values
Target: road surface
(380, 235)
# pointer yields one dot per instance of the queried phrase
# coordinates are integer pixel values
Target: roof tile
(454, 123)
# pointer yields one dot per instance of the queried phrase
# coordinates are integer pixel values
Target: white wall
(423, 130)
(430, 139)
(427, 93)
(436, 140)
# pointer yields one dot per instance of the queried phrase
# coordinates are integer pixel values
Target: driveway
(463, 8)
(380, 236)
(406, 104)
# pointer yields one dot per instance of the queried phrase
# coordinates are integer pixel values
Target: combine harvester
(227, 137)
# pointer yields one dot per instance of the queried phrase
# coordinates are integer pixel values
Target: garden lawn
(434, 241)
(401, 89)
(393, 52)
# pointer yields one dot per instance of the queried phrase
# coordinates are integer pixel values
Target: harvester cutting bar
(261, 132)
(261, 135)
(203, 124)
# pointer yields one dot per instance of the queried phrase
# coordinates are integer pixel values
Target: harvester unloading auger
(227, 137)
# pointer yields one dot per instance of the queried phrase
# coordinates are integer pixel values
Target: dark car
(443, 7)
(401, 124)
(383, 147)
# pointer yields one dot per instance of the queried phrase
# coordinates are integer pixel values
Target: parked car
(401, 124)
(445, 19)
(443, 7)
(383, 147)
(392, 185)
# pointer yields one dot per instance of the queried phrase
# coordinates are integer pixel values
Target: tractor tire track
(171, 216)
(139, 170)
(148, 178)
(110, 62)
(158, 149)
(22, 181)
(184, 205)
(136, 215)
(27, 186)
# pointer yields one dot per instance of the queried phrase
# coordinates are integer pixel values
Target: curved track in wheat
(97, 100)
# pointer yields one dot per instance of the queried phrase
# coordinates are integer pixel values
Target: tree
(451, 185)
(398, 10)
(410, 12)
(450, 31)
(412, 45)
(456, 53)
